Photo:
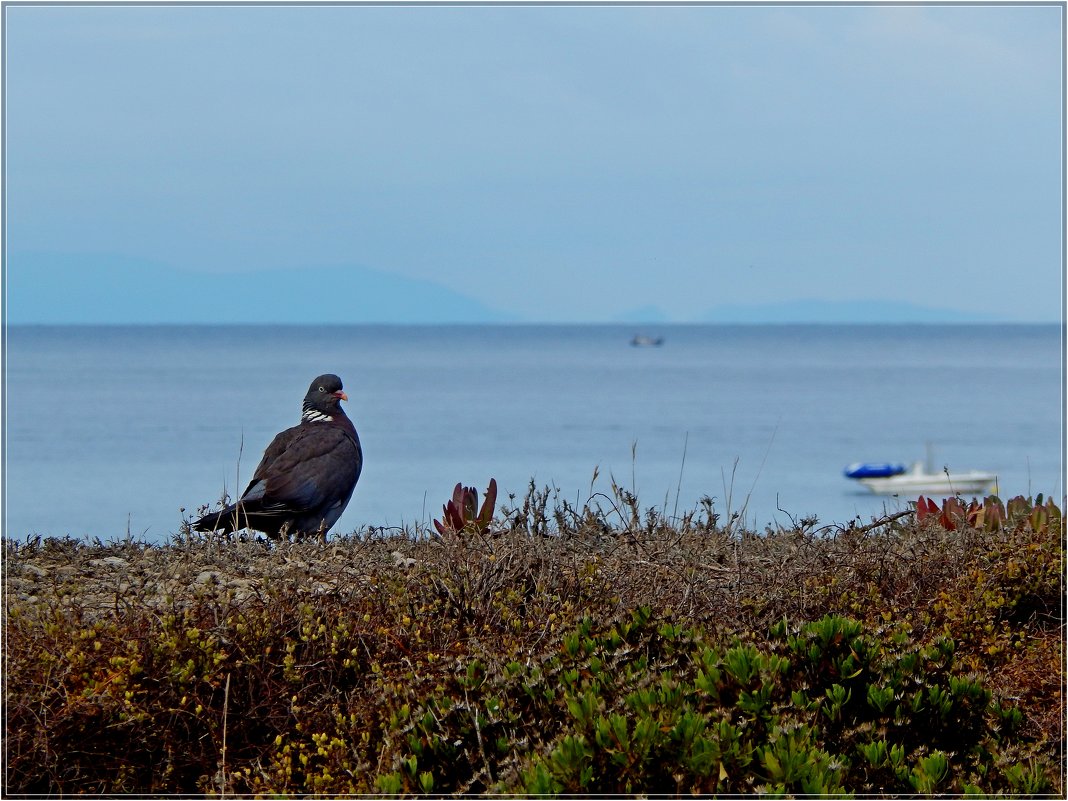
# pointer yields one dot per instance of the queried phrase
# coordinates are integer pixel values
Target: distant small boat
(889, 478)
(642, 341)
(919, 480)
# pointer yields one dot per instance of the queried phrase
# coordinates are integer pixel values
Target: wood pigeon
(306, 476)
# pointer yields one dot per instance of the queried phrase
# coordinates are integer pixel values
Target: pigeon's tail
(229, 519)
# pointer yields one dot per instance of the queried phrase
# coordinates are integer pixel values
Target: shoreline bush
(557, 651)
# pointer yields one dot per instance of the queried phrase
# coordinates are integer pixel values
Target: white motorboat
(919, 480)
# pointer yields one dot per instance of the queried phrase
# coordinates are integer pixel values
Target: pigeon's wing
(304, 469)
(278, 447)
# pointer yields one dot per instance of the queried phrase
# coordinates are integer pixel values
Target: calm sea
(115, 429)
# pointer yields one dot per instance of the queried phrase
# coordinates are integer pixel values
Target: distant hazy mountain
(822, 311)
(90, 288)
(642, 314)
(60, 288)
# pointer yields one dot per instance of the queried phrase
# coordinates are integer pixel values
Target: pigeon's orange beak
(341, 395)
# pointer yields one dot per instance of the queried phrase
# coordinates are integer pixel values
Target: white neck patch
(313, 416)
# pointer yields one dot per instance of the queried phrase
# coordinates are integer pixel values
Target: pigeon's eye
(321, 389)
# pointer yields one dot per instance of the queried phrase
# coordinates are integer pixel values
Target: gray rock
(401, 561)
(110, 562)
(208, 577)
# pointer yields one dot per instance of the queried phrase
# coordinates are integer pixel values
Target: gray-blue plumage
(306, 476)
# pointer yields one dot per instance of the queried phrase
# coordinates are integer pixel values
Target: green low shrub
(660, 657)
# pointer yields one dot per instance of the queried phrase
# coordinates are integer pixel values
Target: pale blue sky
(551, 163)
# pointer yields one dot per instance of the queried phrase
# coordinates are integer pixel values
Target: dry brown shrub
(123, 660)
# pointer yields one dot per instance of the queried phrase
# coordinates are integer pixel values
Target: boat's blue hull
(874, 470)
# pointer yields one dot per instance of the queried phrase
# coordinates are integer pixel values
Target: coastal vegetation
(545, 649)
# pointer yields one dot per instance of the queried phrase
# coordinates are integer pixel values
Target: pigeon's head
(323, 399)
